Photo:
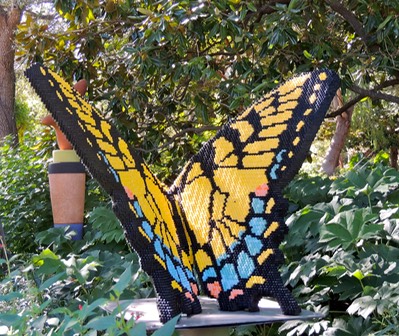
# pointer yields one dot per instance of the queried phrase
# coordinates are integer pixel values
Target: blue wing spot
(172, 269)
(221, 258)
(279, 156)
(245, 265)
(229, 277)
(183, 279)
(254, 245)
(258, 225)
(158, 249)
(190, 274)
(178, 261)
(138, 209)
(258, 205)
(233, 246)
(109, 166)
(147, 229)
(273, 171)
(208, 273)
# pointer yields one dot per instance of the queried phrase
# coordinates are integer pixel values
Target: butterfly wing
(150, 218)
(231, 191)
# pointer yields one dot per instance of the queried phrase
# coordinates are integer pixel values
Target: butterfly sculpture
(221, 222)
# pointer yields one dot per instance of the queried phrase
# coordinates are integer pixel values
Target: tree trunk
(9, 19)
(338, 141)
(394, 157)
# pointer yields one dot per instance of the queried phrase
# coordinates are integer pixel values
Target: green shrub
(63, 287)
(60, 289)
(342, 253)
(24, 193)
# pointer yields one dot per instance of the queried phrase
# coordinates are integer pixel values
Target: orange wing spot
(235, 292)
(262, 190)
(194, 288)
(129, 193)
(215, 289)
(189, 296)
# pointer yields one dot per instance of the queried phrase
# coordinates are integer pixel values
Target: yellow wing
(231, 191)
(152, 220)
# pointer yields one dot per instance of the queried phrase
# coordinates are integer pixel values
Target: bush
(342, 251)
(60, 289)
(24, 199)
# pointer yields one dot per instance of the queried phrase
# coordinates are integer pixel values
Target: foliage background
(169, 74)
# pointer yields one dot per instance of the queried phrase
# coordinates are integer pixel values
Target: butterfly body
(224, 215)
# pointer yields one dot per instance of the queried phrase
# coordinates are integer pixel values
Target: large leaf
(347, 228)
(363, 306)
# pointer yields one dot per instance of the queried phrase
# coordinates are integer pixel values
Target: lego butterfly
(222, 220)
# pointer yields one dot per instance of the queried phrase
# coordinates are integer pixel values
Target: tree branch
(267, 8)
(372, 93)
(45, 17)
(349, 17)
(375, 94)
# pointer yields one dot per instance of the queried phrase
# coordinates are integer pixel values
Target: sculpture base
(211, 321)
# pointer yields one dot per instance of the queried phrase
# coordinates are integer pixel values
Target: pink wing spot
(214, 289)
(129, 193)
(234, 293)
(189, 296)
(262, 190)
(194, 288)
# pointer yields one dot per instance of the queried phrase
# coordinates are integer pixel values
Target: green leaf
(47, 254)
(101, 323)
(307, 54)
(123, 281)
(336, 234)
(9, 319)
(384, 23)
(51, 281)
(363, 306)
(336, 271)
(10, 296)
(349, 227)
(358, 274)
(168, 328)
(139, 329)
(251, 6)
(87, 309)
(145, 11)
